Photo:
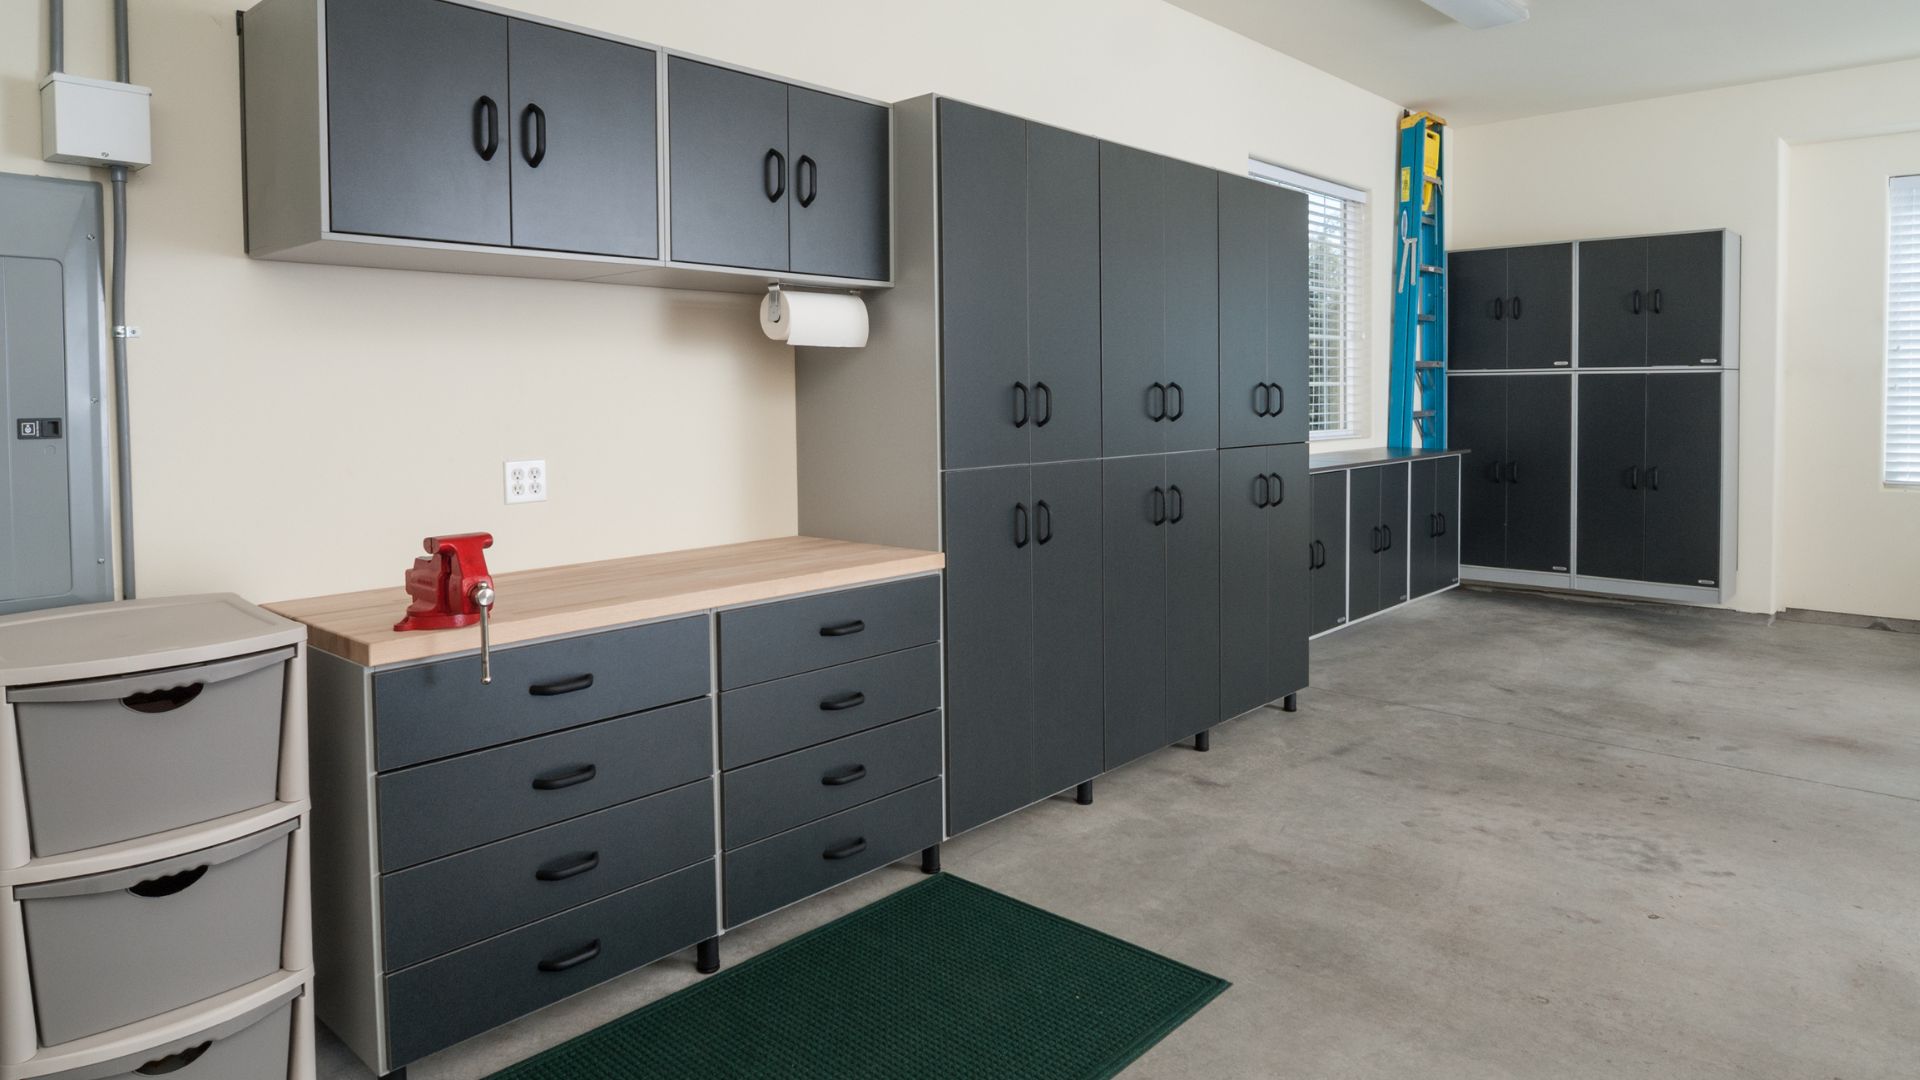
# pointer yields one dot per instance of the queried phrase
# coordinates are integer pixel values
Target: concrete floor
(1507, 836)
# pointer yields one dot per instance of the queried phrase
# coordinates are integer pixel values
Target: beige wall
(1715, 159)
(297, 429)
(1847, 540)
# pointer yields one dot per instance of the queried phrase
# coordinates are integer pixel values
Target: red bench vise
(451, 587)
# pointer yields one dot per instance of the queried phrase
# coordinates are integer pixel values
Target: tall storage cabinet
(1265, 595)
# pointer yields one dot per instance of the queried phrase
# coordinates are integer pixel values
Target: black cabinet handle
(844, 776)
(1042, 522)
(1179, 502)
(1157, 412)
(556, 964)
(570, 778)
(173, 1063)
(845, 851)
(1657, 305)
(564, 686)
(1279, 399)
(1022, 530)
(572, 866)
(1260, 491)
(1633, 477)
(1499, 307)
(1159, 506)
(1386, 538)
(1653, 478)
(162, 701)
(853, 626)
(1279, 489)
(1513, 472)
(170, 884)
(1020, 410)
(806, 180)
(1316, 555)
(774, 175)
(1636, 302)
(1373, 541)
(1177, 406)
(1443, 522)
(1516, 309)
(533, 135)
(1260, 399)
(486, 128)
(843, 702)
(1045, 395)
(1493, 471)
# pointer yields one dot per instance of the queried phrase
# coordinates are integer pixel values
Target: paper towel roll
(831, 320)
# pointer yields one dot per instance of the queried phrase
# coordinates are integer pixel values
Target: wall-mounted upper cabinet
(1660, 301)
(1263, 313)
(1510, 308)
(433, 135)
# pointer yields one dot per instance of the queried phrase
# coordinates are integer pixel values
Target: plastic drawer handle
(162, 701)
(564, 686)
(844, 776)
(844, 701)
(569, 867)
(843, 629)
(173, 1063)
(170, 885)
(572, 960)
(556, 781)
(845, 851)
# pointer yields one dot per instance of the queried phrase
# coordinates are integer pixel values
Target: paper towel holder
(773, 301)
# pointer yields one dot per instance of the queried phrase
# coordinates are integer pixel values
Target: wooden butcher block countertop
(532, 604)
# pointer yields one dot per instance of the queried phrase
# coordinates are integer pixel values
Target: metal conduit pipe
(123, 426)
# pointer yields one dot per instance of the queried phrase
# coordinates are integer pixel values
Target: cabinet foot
(930, 860)
(1203, 741)
(1084, 794)
(708, 956)
(397, 1074)
(1290, 703)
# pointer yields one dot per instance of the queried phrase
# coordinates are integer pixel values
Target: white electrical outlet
(526, 481)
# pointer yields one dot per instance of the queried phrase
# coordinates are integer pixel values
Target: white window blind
(1336, 299)
(1903, 331)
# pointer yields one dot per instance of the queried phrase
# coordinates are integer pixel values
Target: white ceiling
(1572, 53)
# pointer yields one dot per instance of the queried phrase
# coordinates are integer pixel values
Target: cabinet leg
(397, 1074)
(1203, 741)
(930, 860)
(1290, 703)
(708, 959)
(1084, 794)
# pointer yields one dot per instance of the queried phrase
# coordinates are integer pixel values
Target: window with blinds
(1903, 331)
(1336, 299)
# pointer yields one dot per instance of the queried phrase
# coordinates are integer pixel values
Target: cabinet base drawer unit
(794, 865)
(769, 641)
(1385, 531)
(773, 718)
(439, 1003)
(773, 796)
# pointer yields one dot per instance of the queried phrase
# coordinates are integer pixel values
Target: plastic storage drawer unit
(110, 949)
(106, 760)
(255, 1046)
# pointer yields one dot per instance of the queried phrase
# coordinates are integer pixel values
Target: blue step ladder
(1417, 388)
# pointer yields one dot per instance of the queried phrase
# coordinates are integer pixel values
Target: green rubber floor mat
(943, 980)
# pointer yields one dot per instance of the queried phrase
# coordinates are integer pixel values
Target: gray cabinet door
(1068, 719)
(1363, 542)
(1683, 479)
(1193, 593)
(838, 206)
(1424, 528)
(1396, 534)
(1327, 558)
(1245, 396)
(1133, 265)
(731, 179)
(1684, 299)
(418, 135)
(990, 648)
(1477, 421)
(1477, 310)
(585, 146)
(1613, 482)
(1289, 601)
(1613, 303)
(1539, 306)
(1539, 472)
(1133, 545)
(1192, 284)
(1287, 314)
(1063, 292)
(1446, 504)
(987, 401)
(1246, 572)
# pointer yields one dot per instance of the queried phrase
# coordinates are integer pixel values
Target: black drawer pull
(1044, 394)
(570, 778)
(1260, 492)
(1177, 402)
(1042, 522)
(169, 885)
(1636, 301)
(1159, 506)
(159, 701)
(173, 1063)
(569, 867)
(573, 959)
(1653, 478)
(1179, 504)
(1157, 408)
(773, 174)
(1386, 532)
(845, 851)
(1443, 523)
(533, 135)
(1022, 528)
(1021, 407)
(806, 179)
(844, 701)
(844, 776)
(843, 629)
(486, 128)
(1260, 405)
(1279, 398)
(1516, 308)
(564, 686)
(1279, 489)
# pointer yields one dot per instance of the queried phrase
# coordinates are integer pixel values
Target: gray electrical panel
(54, 539)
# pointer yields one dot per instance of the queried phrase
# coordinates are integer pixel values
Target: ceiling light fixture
(1481, 14)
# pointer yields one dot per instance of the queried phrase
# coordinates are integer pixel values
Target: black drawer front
(776, 795)
(759, 722)
(781, 869)
(440, 709)
(770, 641)
(449, 806)
(440, 906)
(436, 1004)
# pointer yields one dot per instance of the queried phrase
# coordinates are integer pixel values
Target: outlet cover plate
(526, 481)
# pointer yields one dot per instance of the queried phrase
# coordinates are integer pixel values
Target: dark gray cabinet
(1161, 600)
(1376, 539)
(1263, 313)
(585, 148)
(1510, 308)
(419, 141)
(1327, 551)
(769, 176)
(1159, 304)
(1433, 552)
(1516, 492)
(1649, 482)
(1654, 301)
(1023, 636)
(1020, 296)
(1265, 596)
